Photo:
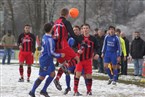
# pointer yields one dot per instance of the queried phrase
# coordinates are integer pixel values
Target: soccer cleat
(110, 81)
(113, 83)
(28, 80)
(57, 84)
(67, 90)
(45, 94)
(89, 93)
(21, 80)
(77, 94)
(32, 94)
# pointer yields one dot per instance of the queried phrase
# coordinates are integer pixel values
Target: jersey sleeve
(19, 41)
(33, 42)
(51, 45)
(104, 44)
(119, 52)
(70, 31)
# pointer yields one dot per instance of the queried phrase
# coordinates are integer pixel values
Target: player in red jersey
(86, 55)
(26, 43)
(61, 29)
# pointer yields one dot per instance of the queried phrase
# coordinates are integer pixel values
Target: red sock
(28, 72)
(59, 74)
(76, 82)
(21, 71)
(89, 85)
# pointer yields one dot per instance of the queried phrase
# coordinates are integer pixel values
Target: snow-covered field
(10, 87)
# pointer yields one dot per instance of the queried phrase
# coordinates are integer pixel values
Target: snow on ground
(10, 87)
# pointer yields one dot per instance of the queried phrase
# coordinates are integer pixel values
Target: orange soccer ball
(73, 12)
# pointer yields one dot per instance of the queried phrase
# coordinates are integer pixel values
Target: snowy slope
(10, 87)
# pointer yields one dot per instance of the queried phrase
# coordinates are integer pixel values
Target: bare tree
(10, 5)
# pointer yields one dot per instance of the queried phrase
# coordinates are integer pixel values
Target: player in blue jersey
(111, 52)
(46, 61)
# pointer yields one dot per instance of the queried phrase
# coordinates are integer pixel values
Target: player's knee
(52, 74)
(21, 64)
(77, 58)
(105, 66)
(41, 77)
(88, 76)
(78, 74)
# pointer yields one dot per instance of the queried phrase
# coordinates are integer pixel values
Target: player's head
(76, 30)
(48, 27)
(100, 32)
(96, 31)
(64, 12)
(27, 28)
(117, 32)
(136, 34)
(86, 29)
(111, 30)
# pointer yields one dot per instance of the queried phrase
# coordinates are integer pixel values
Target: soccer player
(46, 61)
(86, 55)
(61, 29)
(26, 43)
(111, 52)
(70, 65)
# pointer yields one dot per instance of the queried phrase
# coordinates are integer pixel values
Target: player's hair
(27, 25)
(96, 29)
(112, 27)
(118, 30)
(64, 12)
(136, 32)
(48, 27)
(86, 25)
(76, 26)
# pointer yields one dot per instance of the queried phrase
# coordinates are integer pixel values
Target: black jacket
(137, 48)
(100, 42)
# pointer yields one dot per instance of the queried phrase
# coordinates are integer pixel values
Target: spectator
(100, 38)
(124, 66)
(137, 53)
(95, 62)
(8, 41)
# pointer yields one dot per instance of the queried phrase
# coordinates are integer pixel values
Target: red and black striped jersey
(93, 47)
(61, 29)
(27, 40)
(59, 33)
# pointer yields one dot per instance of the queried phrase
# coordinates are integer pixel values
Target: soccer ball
(73, 12)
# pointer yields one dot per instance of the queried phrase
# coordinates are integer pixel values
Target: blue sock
(47, 83)
(67, 79)
(36, 84)
(109, 73)
(115, 77)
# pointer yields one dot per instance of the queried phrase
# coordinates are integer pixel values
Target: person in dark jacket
(100, 38)
(137, 53)
(124, 66)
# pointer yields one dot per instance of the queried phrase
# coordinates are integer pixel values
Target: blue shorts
(43, 71)
(110, 57)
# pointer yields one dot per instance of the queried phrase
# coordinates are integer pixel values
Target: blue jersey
(111, 44)
(71, 41)
(48, 51)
